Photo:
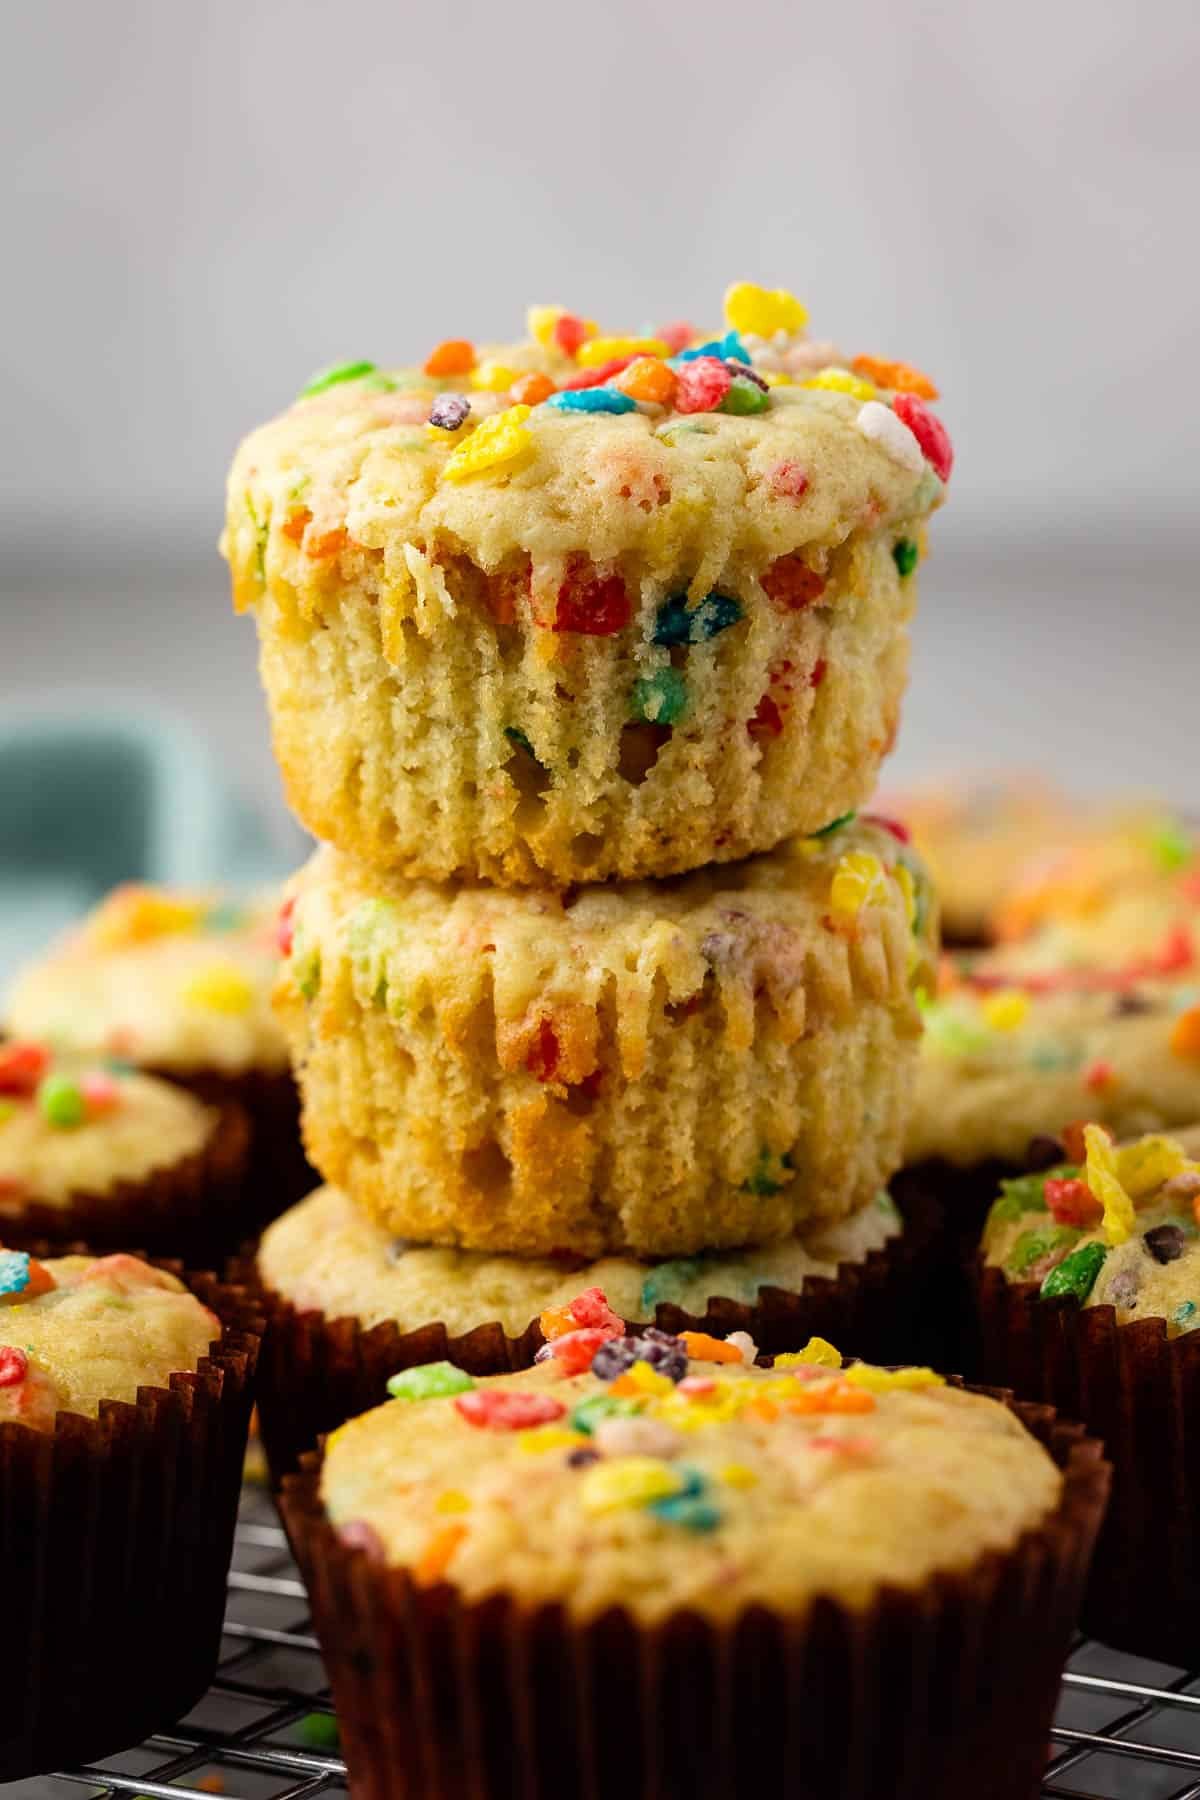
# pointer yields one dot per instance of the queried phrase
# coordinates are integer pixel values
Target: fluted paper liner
(115, 1540)
(929, 1695)
(316, 1372)
(193, 1208)
(1138, 1390)
(279, 1172)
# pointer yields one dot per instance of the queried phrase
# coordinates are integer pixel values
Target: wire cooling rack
(1125, 1730)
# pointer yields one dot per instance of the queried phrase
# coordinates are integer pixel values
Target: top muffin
(586, 606)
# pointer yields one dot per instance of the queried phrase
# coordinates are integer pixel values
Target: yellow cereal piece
(908, 887)
(1101, 1175)
(777, 378)
(540, 322)
(606, 349)
(542, 1438)
(452, 1501)
(138, 915)
(1144, 1165)
(841, 381)
(1007, 1010)
(817, 1350)
(627, 1481)
(640, 1378)
(763, 311)
(857, 881)
(890, 1381)
(737, 1475)
(493, 377)
(221, 988)
(499, 442)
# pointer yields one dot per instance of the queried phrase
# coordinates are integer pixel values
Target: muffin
(113, 1157)
(711, 1061)
(689, 1576)
(620, 607)
(976, 834)
(1089, 1298)
(124, 1402)
(178, 984)
(349, 1306)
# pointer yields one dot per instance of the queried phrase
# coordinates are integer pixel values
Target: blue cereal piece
(678, 623)
(594, 399)
(14, 1272)
(668, 1281)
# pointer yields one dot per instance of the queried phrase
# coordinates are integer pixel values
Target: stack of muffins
(603, 1003)
(581, 654)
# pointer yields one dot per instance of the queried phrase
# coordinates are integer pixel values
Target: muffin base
(1137, 1389)
(316, 1372)
(192, 1209)
(933, 1694)
(115, 1537)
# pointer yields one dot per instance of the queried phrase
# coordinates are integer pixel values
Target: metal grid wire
(1125, 1729)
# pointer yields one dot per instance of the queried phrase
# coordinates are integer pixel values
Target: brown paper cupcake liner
(192, 1209)
(1139, 1391)
(932, 1695)
(316, 1372)
(279, 1173)
(115, 1540)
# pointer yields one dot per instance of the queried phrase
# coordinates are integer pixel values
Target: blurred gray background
(203, 204)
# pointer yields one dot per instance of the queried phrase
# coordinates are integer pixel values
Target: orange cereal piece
(761, 1409)
(293, 526)
(1185, 1033)
(555, 1322)
(327, 543)
(844, 1399)
(698, 1344)
(435, 1559)
(902, 378)
(531, 389)
(648, 378)
(453, 356)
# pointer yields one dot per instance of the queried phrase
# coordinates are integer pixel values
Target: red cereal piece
(101, 1093)
(1072, 1202)
(702, 384)
(14, 1366)
(569, 333)
(595, 605)
(929, 432)
(542, 1059)
(596, 377)
(819, 670)
(1073, 1140)
(1099, 1075)
(900, 832)
(22, 1066)
(591, 1308)
(696, 1386)
(507, 1409)
(788, 481)
(283, 927)
(677, 335)
(767, 721)
(575, 1349)
(790, 584)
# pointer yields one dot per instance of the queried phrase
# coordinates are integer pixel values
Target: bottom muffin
(349, 1305)
(113, 1157)
(124, 1404)
(679, 1575)
(1088, 1290)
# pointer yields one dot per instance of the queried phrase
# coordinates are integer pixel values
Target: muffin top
(1120, 1227)
(697, 459)
(71, 1127)
(802, 932)
(327, 1255)
(78, 1330)
(1000, 1064)
(658, 1473)
(167, 979)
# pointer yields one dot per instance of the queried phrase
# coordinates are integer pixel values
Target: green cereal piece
(886, 1204)
(334, 377)
(261, 528)
(668, 1280)
(61, 1102)
(1172, 846)
(319, 1731)
(838, 824)
(769, 1175)
(745, 397)
(515, 735)
(589, 1413)
(307, 970)
(429, 1381)
(1186, 1316)
(906, 556)
(1027, 1193)
(659, 699)
(678, 623)
(1075, 1276)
